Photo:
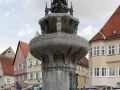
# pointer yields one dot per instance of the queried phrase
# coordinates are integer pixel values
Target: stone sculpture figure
(59, 6)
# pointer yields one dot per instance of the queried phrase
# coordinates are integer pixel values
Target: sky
(19, 18)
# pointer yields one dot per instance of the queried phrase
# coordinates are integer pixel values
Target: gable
(19, 56)
(9, 52)
(21, 52)
(111, 30)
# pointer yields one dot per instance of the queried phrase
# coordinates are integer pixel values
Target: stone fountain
(59, 47)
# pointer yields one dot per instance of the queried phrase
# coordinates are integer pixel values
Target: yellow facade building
(34, 72)
(104, 62)
(82, 73)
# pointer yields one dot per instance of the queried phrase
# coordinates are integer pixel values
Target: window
(34, 75)
(95, 52)
(8, 81)
(111, 71)
(16, 67)
(40, 74)
(20, 66)
(31, 76)
(17, 78)
(102, 51)
(90, 52)
(28, 76)
(37, 75)
(96, 71)
(21, 77)
(90, 72)
(98, 53)
(25, 77)
(29, 63)
(111, 50)
(104, 71)
(118, 49)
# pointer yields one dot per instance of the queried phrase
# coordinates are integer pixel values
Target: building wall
(82, 76)
(7, 82)
(34, 68)
(107, 61)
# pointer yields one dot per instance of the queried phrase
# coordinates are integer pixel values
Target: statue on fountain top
(59, 6)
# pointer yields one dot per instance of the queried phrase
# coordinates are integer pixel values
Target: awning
(33, 87)
(37, 86)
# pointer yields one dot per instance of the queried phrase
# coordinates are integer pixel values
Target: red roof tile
(111, 29)
(24, 47)
(83, 62)
(7, 65)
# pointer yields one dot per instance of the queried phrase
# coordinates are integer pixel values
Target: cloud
(3, 49)
(88, 32)
(6, 47)
(90, 9)
(7, 14)
(94, 9)
(26, 31)
(7, 1)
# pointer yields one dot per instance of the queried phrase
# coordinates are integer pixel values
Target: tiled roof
(24, 47)
(83, 62)
(7, 65)
(111, 29)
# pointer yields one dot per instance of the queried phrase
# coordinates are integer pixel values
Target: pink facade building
(20, 63)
